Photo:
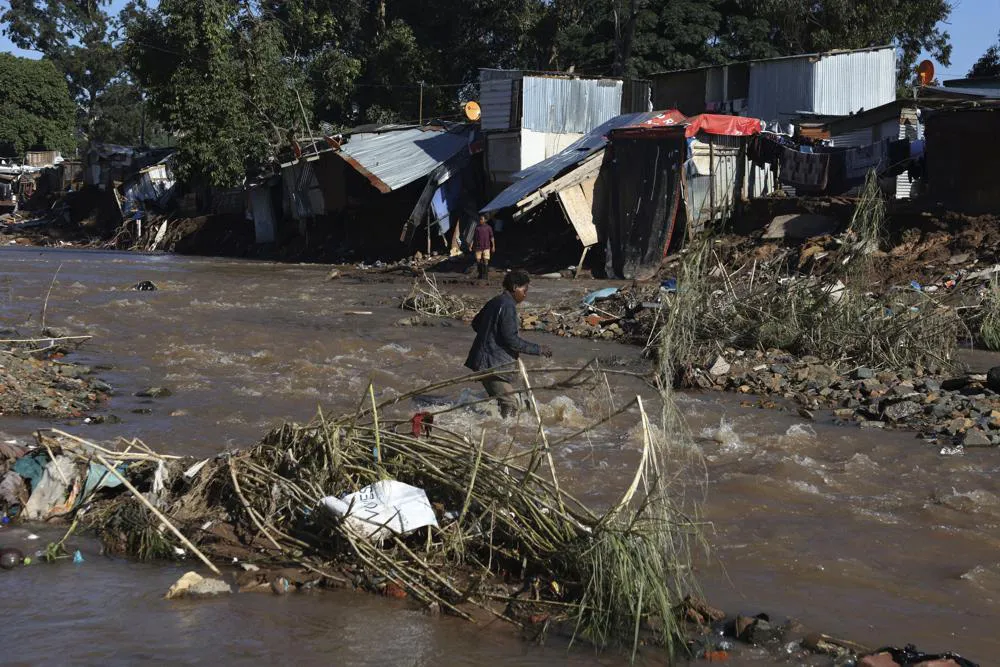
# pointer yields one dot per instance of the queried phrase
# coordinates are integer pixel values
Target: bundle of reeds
(511, 541)
(426, 298)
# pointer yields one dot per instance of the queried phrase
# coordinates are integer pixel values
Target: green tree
(217, 78)
(36, 111)
(325, 41)
(122, 116)
(78, 36)
(765, 28)
(988, 63)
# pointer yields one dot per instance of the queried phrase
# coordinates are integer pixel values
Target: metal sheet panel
(912, 130)
(538, 146)
(263, 214)
(636, 96)
(859, 137)
(713, 179)
(503, 156)
(847, 82)
(561, 105)
(495, 101)
(534, 177)
(487, 74)
(780, 88)
(391, 160)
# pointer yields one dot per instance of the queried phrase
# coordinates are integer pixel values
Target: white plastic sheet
(382, 508)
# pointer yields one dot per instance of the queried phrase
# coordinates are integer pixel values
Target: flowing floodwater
(869, 535)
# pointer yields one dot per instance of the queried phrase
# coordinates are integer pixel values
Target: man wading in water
(497, 342)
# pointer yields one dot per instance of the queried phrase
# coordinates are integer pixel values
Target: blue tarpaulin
(447, 198)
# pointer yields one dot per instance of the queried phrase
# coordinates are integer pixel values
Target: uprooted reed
(989, 324)
(427, 298)
(606, 576)
(841, 318)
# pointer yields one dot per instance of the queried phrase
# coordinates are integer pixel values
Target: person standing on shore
(483, 246)
(498, 343)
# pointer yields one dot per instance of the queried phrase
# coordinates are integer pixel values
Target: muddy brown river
(868, 535)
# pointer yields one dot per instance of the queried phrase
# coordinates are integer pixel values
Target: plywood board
(578, 204)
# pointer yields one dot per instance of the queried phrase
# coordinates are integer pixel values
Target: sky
(973, 26)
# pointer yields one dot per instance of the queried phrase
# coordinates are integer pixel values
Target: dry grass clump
(426, 298)
(989, 325)
(838, 319)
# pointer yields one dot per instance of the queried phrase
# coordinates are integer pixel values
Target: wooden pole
(711, 179)
(579, 266)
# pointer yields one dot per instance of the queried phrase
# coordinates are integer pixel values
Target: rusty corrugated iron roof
(396, 158)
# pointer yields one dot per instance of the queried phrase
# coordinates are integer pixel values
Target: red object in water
(422, 423)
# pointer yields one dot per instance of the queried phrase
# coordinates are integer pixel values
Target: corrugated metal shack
(961, 171)
(779, 89)
(626, 182)
(900, 119)
(531, 116)
(358, 188)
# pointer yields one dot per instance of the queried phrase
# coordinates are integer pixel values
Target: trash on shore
(382, 508)
(428, 514)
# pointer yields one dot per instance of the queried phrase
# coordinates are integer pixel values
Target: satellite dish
(472, 111)
(925, 72)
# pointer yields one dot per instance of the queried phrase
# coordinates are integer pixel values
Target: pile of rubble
(36, 381)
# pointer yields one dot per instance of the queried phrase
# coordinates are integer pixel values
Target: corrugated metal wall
(913, 130)
(495, 101)
(569, 105)
(847, 82)
(859, 137)
(834, 84)
(636, 96)
(780, 88)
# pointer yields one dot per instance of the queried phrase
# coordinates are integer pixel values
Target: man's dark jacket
(497, 342)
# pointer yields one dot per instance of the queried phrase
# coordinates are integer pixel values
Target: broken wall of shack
(644, 186)
(713, 178)
(263, 210)
(369, 226)
(42, 158)
(303, 194)
(722, 89)
(961, 170)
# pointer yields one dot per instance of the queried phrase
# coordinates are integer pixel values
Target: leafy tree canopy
(36, 111)
(988, 63)
(217, 78)
(79, 37)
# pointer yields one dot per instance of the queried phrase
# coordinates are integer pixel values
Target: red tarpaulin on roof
(733, 126)
(663, 119)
